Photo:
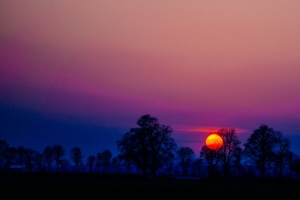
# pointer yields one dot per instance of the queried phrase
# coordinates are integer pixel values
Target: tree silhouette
(106, 158)
(64, 163)
(76, 156)
(48, 156)
(196, 165)
(147, 145)
(98, 161)
(169, 162)
(90, 162)
(237, 159)
(58, 153)
(29, 158)
(38, 159)
(291, 157)
(185, 156)
(115, 164)
(3, 148)
(212, 157)
(10, 155)
(231, 143)
(260, 147)
(282, 153)
(125, 160)
(296, 166)
(21, 156)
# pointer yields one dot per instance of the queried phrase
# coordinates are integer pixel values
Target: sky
(81, 73)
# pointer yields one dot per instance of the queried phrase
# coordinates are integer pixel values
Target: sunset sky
(81, 73)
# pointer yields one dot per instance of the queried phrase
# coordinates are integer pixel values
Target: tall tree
(147, 145)
(260, 147)
(185, 156)
(76, 156)
(48, 157)
(58, 153)
(231, 143)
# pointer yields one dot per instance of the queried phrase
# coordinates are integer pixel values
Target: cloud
(205, 129)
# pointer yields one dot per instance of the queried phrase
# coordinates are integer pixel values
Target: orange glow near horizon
(214, 142)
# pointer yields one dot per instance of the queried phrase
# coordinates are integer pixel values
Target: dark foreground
(214, 187)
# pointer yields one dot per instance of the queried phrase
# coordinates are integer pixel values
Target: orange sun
(214, 142)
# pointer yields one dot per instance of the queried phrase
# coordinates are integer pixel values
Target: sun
(214, 141)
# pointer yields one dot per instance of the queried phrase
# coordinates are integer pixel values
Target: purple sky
(93, 68)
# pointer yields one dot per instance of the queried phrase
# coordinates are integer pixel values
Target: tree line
(52, 159)
(266, 153)
(149, 149)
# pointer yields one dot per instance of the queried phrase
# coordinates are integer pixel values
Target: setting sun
(214, 141)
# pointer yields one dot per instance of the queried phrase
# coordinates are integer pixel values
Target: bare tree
(185, 156)
(58, 153)
(76, 156)
(231, 143)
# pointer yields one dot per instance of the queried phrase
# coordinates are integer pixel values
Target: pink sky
(197, 63)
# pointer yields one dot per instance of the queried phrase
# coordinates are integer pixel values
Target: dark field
(219, 187)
